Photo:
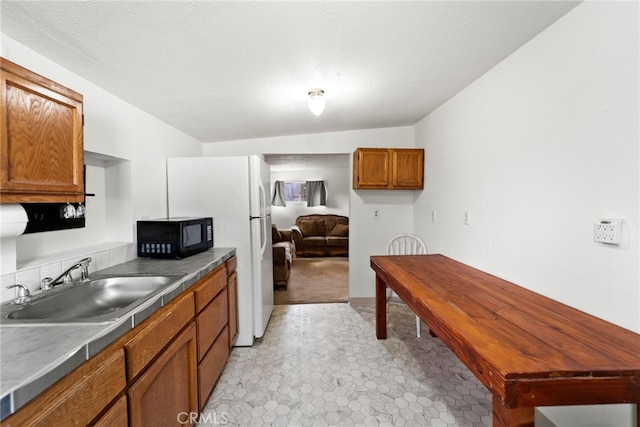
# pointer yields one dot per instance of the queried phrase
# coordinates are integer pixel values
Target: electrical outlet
(375, 214)
(608, 231)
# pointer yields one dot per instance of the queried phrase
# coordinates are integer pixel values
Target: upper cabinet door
(388, 168)
(407, 169)
(371, 168)
(41, 140)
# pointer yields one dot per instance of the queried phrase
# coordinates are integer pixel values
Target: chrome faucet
(65, 277)
(23, 295)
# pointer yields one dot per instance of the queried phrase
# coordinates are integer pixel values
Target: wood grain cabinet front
(212, 365)
(407, 169)
(42, 138)
(78, 398)
(211, 321)
(209, 286)
(166, 393)
(116, 416)
(232, 293)
(157, 333)
(388, 169)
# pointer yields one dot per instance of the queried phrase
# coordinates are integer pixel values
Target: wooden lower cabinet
(78, 398)
(209, 286)
(166, 391)
(212, 365)
(210, 322)
(116, 416)
(157, 332)
(232, 294)
(150, 376)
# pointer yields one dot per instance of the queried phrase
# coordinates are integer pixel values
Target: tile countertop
(36, 356)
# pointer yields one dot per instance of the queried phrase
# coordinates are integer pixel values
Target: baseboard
(366, 301)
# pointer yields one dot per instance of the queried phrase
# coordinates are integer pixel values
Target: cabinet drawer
(116, 416)
(156, 334)
(232, 264)
(211, 367)
(209, 286)
(210, 322)
(78, 398)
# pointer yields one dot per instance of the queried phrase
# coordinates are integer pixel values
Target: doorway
(312, 279)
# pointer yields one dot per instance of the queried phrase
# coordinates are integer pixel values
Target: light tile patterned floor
(321, 365)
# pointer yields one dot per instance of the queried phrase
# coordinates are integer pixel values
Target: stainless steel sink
(101, 299)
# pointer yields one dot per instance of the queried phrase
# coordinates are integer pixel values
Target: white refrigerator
(235, 192)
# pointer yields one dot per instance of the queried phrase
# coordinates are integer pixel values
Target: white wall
(537, 150)
(367, 236)
(336, 180)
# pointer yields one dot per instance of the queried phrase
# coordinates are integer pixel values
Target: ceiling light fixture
(316, 101)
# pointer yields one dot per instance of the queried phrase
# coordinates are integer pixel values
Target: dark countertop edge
(194, 268)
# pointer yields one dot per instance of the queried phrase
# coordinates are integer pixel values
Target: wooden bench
(527, 349)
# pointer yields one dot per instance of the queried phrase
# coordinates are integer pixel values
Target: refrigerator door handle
(263, 226)
(263, 222)
(263, 199)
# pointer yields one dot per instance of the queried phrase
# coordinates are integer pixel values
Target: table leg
(515, 417)
(381, 309)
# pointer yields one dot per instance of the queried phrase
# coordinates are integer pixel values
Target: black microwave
(174, 237)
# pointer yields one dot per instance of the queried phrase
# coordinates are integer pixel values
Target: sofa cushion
(337, 241)
(340, 230)
(314, 241)
(310, 228)
(330, 222)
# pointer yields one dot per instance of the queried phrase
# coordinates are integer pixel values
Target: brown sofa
(283, 252)
(321, 235)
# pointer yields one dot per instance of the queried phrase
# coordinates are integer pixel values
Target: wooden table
(527, 349)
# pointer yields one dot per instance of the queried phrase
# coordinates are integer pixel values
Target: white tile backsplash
(30, 278)
(32, 274)
(7, 280)
(102, 260)
(115, 256)
(51, 270)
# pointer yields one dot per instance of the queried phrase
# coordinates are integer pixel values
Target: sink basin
(101, 299)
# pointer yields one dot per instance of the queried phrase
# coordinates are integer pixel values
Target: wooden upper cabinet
(388, 168)
(407, 169)
(41, 155)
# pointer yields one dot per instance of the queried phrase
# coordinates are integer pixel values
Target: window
(295, 191)
(312, 192)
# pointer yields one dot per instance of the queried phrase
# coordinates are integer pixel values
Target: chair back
(406, 244)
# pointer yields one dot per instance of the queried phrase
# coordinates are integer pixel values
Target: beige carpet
(316, 280)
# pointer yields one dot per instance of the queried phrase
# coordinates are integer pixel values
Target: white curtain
(316, 193)
(278, 194)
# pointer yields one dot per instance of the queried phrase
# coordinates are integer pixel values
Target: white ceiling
(235, 70)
